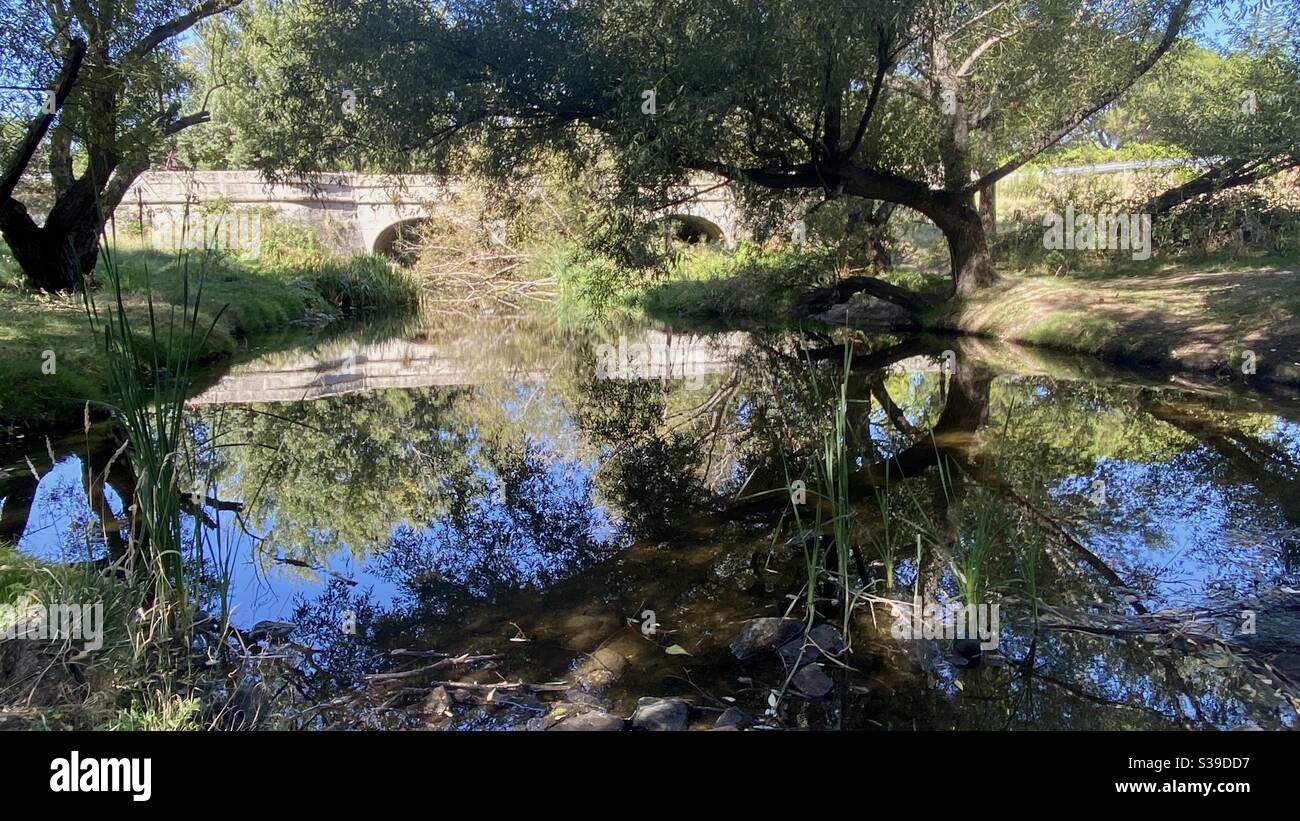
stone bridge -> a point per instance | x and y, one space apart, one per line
353 212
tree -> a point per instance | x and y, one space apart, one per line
1239 113
114 95
921 103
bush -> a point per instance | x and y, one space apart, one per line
363 284
749 283
1235 222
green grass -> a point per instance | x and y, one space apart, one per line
750 284
257 297
1072 330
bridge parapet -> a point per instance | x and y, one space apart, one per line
206 209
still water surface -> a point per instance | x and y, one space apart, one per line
529 493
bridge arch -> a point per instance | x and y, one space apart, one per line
390 242
693 229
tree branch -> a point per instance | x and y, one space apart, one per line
969 62
181 23
1172 29
37 129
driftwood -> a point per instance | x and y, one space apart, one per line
380 678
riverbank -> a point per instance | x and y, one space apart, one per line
1210 319
51 363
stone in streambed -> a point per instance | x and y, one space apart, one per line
868 314
821 639
662 714
812 681
591 721
763 635
733 718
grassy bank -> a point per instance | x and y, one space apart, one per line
51 364
1200 315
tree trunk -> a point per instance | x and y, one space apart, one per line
58 256
19 494
988 201
866 230
49 262
968 249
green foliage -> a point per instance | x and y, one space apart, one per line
757 92
363 284
1232 222
156 713
752 283
287 244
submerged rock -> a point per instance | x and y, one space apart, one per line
660 714
812 681
597 721
821 639
763 635
601 669
733 718
437 704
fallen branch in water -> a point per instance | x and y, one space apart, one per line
379 678
504 686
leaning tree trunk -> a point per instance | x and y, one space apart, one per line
867 228
49 259
968 248
61 254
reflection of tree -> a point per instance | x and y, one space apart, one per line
346 470
339 659
542 529
102 466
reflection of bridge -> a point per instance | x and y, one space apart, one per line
354 212
403 364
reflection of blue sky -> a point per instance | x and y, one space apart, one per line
1175 532
57 528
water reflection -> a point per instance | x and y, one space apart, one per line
489 491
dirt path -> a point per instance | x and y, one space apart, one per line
1204 321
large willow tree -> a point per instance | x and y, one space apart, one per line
921 103
94 87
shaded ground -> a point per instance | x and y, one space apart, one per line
1201 321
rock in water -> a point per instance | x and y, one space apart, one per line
591 721
812 681
733 718
868 314
822 638
660 714
762 635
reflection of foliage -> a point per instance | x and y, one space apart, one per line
1043 430
649 475
346 470
542 529
340 659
